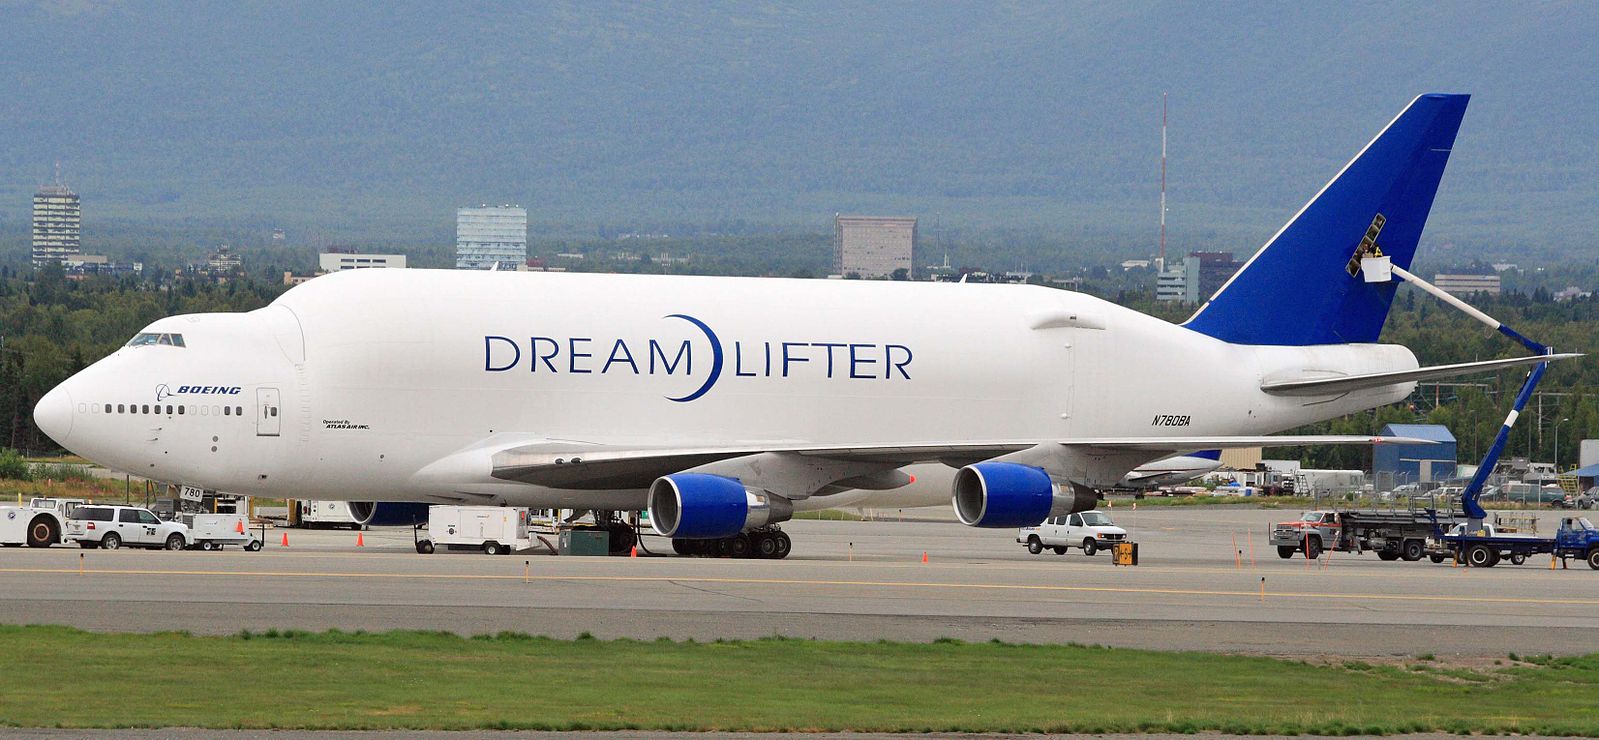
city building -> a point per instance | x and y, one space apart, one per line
873 246
1398 464
1172 283
1467 284
57 224
1205 273
487 237
337 259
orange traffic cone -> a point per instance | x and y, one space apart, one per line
285 539
238 526
634 552
924 556
360 541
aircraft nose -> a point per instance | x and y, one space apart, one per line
53 415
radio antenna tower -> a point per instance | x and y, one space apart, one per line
1160 262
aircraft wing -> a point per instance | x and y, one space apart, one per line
605 467
1334 384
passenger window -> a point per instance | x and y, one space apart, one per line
238 411
128 516
146 408
273 410
205 410
227 410
108 408
1075 520
180 411
121 409
146 517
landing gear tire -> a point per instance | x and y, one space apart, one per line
175 542
740 547
491 548
111 541
1413 550
1090 547
1518 558
681 546
1286 551
423 547
42 532
622 540
786 545
1034 546
1060 550
765 546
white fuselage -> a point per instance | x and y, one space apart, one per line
353 384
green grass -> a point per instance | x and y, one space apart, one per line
1259 502
828 515
442 681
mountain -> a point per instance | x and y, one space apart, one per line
1026 119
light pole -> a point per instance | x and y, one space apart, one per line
1557 444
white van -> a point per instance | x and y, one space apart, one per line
1090 530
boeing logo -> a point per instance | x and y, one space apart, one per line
574 355
164 391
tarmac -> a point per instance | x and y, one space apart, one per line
1194 589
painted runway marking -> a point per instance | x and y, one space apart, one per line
671 580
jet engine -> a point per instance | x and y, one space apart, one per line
363 511
704 506
1003 494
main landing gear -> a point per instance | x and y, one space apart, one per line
766 542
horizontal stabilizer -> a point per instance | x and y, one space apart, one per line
1330 385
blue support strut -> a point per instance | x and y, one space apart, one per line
1468 498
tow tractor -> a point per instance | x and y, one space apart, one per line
1476 544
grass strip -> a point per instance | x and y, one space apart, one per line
63 677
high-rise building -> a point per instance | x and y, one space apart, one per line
487 236
1206 273
873 246
57 224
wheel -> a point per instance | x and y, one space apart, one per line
1387 556
1313 548
724 548
1089 546
680 546
42 532
1413 551
175 541
784 545
1436 558
765 546
1286 551
424 547
1518 558
1034 546
1060 550
741 547
491 548
1480 556
1593 558
253 546
111 541
622 540
207 546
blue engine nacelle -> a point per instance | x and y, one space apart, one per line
703 506
1003 494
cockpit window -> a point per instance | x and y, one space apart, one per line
143 339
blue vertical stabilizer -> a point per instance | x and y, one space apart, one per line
1304 287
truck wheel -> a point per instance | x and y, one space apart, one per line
110 541
175 541
42 532
1593 558
1034 546
1313 549
1413 551
1518 558
491 548
1090 547
1480 556
1386 556
424 547
254 546
1286 551
1060 550
1436 558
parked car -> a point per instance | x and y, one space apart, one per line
111 527
1091 531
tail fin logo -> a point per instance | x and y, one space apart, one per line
1368 245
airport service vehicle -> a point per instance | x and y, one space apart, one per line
1483 547
715 403
111 527
39 524
1091 531
216 531
1392 534
331 514
494 530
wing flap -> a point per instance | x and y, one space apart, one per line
1325 386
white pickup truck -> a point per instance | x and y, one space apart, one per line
1090 530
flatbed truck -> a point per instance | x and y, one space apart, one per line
1393 535
1483 547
